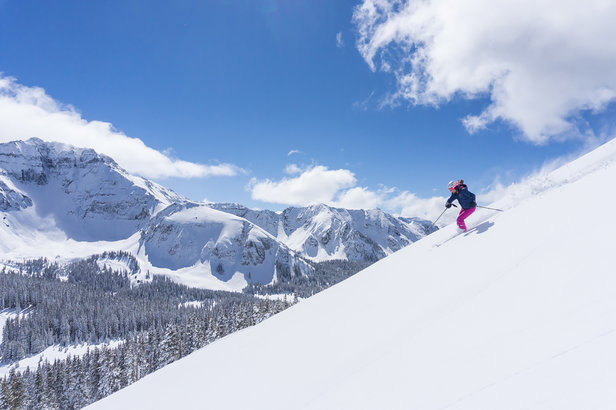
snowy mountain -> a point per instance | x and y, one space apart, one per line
320 232
67 202
187 235
89 196
63 202
518 313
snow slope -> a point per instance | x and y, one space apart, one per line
519 313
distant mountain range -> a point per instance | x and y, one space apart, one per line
321 232
63 202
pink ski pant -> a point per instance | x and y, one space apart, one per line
464 213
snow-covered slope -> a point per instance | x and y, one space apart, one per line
321 232
519 313
59 201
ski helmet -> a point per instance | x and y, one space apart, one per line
451 186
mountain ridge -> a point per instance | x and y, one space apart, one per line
72 202
322 232
64 202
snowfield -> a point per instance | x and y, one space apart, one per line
518 313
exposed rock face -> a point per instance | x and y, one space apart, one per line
12 199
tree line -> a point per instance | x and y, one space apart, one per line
92 304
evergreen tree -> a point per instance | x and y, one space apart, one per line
106 376
15 393
41 390
4 393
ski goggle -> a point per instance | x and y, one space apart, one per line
452 185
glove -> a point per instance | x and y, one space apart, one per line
448 205
473 204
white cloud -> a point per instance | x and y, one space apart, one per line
408 204
27 112
315 185
541 63
294 151
339 40
358 198
292 169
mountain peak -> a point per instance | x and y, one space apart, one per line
87 194
35 154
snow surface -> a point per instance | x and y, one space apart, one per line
518 313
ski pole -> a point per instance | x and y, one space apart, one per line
494 209
439 217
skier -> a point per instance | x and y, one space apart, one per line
465 198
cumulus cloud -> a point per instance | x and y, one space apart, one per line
27 112
541 63
314 185
408 204
358 198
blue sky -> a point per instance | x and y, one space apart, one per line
258 85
